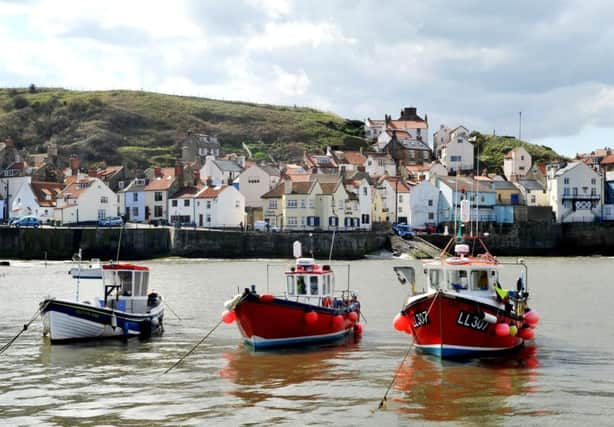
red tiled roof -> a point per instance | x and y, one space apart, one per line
354 157
608 160
109 170
76 188
160 184
210 192
275 193
186 193
407 124
46 192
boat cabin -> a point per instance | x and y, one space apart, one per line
469 277
310 282
125 287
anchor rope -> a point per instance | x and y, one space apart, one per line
25 327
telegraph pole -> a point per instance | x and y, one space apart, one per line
520 125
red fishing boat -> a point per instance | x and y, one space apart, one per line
463 310
307 312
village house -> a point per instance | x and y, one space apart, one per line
574 192
222 206
197 146
37 199
394 195
516 163
221 172
402 147
132 200
362 191
423 205
425 171
457 155
320 164
348 161
453 189
160 184
182 206
532 192
445 135
380 164
256 180
85 199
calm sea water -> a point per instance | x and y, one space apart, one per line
565 378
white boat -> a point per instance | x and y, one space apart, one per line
124 310
91 270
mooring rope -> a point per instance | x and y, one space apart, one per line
25 327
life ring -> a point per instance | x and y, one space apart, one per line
457 261
326 302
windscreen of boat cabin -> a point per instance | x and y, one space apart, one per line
313 285
479 280
326 290
458 280
435 278
141 281
290 285
301 287
125 281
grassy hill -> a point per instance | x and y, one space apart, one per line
142 128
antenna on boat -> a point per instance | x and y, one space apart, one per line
119 244
77 257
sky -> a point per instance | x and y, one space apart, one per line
461 62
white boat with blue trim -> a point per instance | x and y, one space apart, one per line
126 309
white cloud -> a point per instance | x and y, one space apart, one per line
291 84
296 33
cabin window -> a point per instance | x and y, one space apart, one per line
313 285
137 283
326 290
458 280
435 278
290 285
479 280
301 289
125 281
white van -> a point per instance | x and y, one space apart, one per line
264 226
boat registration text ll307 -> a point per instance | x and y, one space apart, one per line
421 318
471 320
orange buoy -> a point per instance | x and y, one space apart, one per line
338 322
358 329
526 333
502 329
400 322
353 316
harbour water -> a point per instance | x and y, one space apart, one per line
565 378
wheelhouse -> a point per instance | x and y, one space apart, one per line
125 282
470 277
309 281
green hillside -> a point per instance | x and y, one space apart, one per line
492 150
142 128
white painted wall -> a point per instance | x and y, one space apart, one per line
423 204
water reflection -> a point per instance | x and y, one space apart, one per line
268 370
439 390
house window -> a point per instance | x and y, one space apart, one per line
430 202
365 218
237 204
158 196
521 157
593 191
340 203
565 191
291 204
104 199
135 211
302 203
431 216
186 202
593 181
158 211
533 199
208 219
574 191
365 191
273 204
174 203
333 221
291 220
425 155
565 180
303 220
208 204
102 213
400 198
311 203
135 197
520 168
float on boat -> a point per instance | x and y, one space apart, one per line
126 309
464 311
307 312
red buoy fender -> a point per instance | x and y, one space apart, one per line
266 298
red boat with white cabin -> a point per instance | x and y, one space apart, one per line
306 312
463 310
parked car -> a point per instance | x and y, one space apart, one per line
26 221
264 226
111 221
403 230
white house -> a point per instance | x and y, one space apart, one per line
425 171
423 204
36 198
457 155
516 163
217 172
220 206
363 192
445 135
575 193
255 181
380 164
85 199
182 205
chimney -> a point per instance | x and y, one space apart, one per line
287 186
157 172
179 172
74 163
